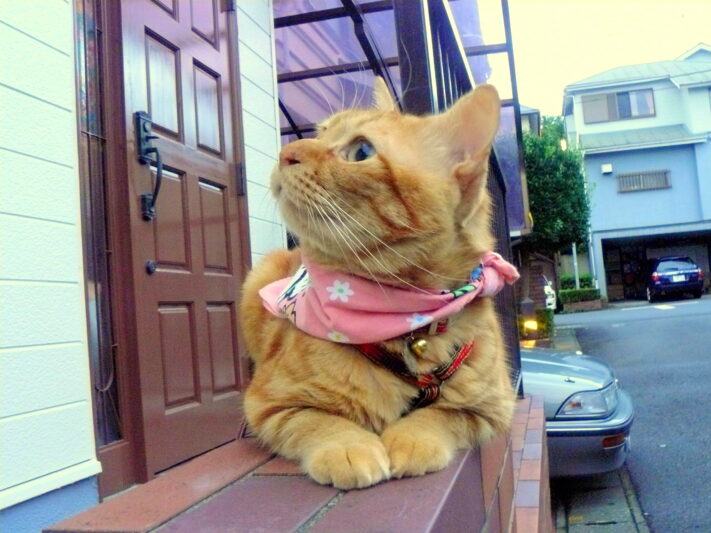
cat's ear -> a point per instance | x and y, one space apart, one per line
470 125
382 100
468 128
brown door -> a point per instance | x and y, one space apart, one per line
180 66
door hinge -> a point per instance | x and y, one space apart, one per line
229 5
240 179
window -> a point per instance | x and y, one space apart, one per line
674 264
643 181
618 106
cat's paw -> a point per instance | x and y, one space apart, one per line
415 454
352 465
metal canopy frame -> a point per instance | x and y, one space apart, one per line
406 10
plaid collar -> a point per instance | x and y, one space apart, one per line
428 383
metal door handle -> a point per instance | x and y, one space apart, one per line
144 150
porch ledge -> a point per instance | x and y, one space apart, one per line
241 487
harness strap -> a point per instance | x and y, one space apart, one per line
429 383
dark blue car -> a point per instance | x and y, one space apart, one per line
674 276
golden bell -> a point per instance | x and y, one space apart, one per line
418 346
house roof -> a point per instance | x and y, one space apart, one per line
525 110
639 138
680 72
695 52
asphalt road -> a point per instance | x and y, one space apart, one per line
662 355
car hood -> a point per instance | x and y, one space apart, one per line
556 375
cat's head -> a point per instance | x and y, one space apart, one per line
391 196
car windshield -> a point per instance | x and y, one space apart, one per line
675 264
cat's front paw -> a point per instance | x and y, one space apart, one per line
352 465
415 454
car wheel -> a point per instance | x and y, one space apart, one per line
650 296
697 294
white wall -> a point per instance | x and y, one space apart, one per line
261 124
46 428
697 102
566 264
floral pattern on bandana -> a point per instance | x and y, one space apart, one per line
417 320
340 290
335 336
345 308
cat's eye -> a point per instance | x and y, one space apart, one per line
359 150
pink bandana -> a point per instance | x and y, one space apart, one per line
349 309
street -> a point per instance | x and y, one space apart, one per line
661 354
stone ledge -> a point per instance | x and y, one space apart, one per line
242 486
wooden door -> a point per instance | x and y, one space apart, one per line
179 62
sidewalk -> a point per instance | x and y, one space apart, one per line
599 504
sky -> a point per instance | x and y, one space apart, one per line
558 42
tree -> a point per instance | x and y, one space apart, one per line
556 191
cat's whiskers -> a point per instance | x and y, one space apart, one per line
328 222
332 226
410 70
323 95
364 248
320 215
355 253
326 197
311 218
343 90
361 71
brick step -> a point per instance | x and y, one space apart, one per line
241 487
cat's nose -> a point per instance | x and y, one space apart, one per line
288 158
297 152
290 155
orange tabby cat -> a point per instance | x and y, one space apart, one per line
402 200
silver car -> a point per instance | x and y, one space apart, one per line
588 415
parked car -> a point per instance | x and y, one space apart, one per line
588 415
674 276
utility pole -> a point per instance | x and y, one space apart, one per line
575 266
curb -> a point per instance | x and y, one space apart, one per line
633 502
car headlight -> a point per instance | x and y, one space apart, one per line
590 404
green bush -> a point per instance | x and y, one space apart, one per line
544 317
570 296
586 281
568 282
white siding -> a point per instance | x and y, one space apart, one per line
261 122
46 427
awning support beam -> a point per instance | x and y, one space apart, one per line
294 128
328 14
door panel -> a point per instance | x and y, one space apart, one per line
177 67
208 108
204 19
222 347
215 227
163 83
171 230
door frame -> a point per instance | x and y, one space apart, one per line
124 461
